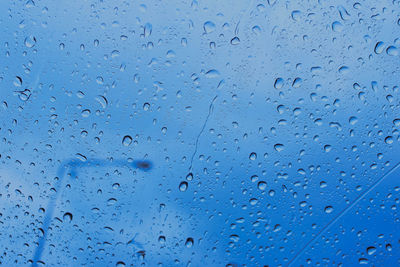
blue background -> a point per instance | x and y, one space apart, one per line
272 128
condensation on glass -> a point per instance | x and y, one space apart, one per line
199 133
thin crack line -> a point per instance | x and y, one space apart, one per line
343 212
210 109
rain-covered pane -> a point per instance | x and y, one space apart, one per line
199 133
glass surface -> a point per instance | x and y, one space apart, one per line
199 133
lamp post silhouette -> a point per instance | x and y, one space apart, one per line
73 165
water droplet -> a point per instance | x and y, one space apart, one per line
344 70
279 147
344 15
392 51
212 74
24 95
161 239
256 30
30 41
353 120
278 83
371 250
18 81
189 177
99 80
183 186
85 113
262 185
253 156
189 242
235 41
127 140
146 106
327 148
209 27
379 47
67 217
253 201
297 82
148 28
111 201
296 14
102 101
328 209
389 140
337 26
81 157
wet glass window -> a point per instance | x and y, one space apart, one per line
199 133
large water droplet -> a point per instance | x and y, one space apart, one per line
67 217
189 242
183 186
279 147
253 156
209 27
235 41
278 83
379 47
371 250
127 140
328 209
30 41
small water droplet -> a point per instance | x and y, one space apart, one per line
85 113
189 177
